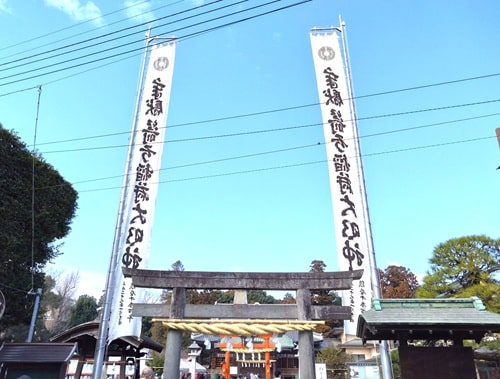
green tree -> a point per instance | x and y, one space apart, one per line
159 334
317 266
325 297
397 282
396 368
166 295
260 296
85 310
465 267
23 254
335 359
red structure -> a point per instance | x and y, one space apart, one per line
258 345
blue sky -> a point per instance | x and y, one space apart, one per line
429 154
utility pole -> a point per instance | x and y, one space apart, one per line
37 294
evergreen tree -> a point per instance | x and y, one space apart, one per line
335 359
33 197
465 267
85 310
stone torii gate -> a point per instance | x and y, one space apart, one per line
303 312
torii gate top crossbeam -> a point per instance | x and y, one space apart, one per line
340 280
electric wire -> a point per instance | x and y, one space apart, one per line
140 49
82 23
69 76
382 93
291 148
72 26
13 288
106 35
429 85
203 32
185 165
279 129
368 117
295 165
315 145
259 113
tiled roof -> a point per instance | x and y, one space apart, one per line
87 333
393 319
37 352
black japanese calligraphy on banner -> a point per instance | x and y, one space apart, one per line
351 249
131 258
344 168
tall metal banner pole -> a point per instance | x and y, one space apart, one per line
132 242
352 223
102 338
385 359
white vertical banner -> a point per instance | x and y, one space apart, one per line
345 171
142 187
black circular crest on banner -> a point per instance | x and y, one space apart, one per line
2 304
326 53
161 63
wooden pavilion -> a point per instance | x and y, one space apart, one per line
35 360
450 321
122 352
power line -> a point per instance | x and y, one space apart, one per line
141 48
212 161
429 85
184 37
292 148
259 113
63 29
90 54
82 23
297 164
13 288
288 128
322 143
103 42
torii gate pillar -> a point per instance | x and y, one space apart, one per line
173 346
306 341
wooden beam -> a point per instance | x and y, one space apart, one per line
340 280
244 311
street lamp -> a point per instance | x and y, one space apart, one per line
194 351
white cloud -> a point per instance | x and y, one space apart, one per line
78 11
4 8
138 10
91 283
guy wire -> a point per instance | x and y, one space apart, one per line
33 194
